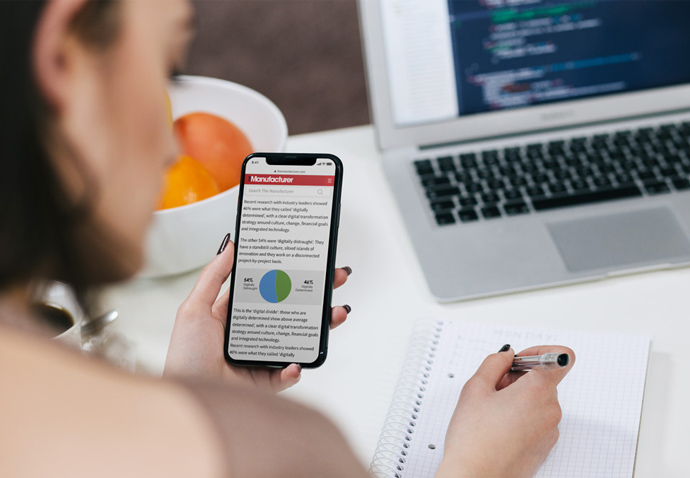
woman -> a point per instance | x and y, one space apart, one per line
84 141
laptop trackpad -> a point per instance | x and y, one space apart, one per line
624 239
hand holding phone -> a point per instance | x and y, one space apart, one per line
286 236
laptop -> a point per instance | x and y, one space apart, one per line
531 143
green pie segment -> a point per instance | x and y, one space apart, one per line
275 286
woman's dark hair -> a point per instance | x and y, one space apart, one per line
38 220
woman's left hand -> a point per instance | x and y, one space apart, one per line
196 345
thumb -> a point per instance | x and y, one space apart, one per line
212 277
494 368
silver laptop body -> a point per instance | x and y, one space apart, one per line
469 97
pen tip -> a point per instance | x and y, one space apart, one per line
563 360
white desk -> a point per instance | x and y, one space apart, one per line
387 293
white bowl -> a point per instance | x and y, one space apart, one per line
187 237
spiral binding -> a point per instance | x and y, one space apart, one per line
397 436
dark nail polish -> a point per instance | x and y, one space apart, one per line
347 308
347 269
505 348
223 244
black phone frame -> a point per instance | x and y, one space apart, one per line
294 159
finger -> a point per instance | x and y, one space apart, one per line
340 276
286 378
211 279
493 369
553 376
509 379
339 315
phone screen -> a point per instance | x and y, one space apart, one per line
277 302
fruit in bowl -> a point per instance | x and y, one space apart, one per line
186 182
216 143
185 235
213 151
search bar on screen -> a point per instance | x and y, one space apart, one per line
307 191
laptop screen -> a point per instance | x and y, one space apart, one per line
452 58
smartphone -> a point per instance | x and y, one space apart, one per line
285 243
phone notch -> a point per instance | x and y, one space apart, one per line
290 160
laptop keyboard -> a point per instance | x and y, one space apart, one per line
537 177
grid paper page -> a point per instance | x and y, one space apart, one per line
601 398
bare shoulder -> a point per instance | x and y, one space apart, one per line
61 412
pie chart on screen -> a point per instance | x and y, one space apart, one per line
275 286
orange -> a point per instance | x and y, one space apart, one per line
187 181
216 143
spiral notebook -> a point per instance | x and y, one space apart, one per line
601 398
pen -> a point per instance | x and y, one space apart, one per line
547 361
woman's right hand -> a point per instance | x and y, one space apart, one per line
505 423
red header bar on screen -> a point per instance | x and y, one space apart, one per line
287 180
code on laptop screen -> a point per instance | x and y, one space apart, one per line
450 58
521 52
